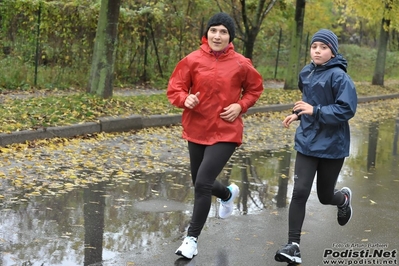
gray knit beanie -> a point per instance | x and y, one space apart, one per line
222 19
328 38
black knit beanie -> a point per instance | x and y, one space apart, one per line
222 19
328 38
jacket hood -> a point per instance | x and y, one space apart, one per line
205 46
337 61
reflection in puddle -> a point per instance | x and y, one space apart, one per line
103 220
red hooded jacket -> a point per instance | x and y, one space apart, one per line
221 81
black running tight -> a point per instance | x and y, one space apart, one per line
305 169
207 161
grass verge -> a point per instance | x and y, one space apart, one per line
30 112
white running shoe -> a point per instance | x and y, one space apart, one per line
226 207
188 248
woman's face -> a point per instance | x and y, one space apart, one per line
320 53
218 38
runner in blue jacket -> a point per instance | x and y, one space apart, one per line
322 138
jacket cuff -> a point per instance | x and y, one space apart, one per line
243 109
316 111
297 114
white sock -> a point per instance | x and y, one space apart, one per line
295 243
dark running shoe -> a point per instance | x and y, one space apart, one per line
289 253
345 211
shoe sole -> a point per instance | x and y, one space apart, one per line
286 258
179 253
350 204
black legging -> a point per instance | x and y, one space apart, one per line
206 164
305 169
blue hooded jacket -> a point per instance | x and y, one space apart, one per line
332 93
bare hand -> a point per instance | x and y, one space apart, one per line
192 100
303 108
289 119
231 112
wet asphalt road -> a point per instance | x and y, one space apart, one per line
253 239
370 238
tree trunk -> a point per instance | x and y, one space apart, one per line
249 44
379 70
102 68
291 75
249 24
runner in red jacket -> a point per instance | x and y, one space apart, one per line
214 85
